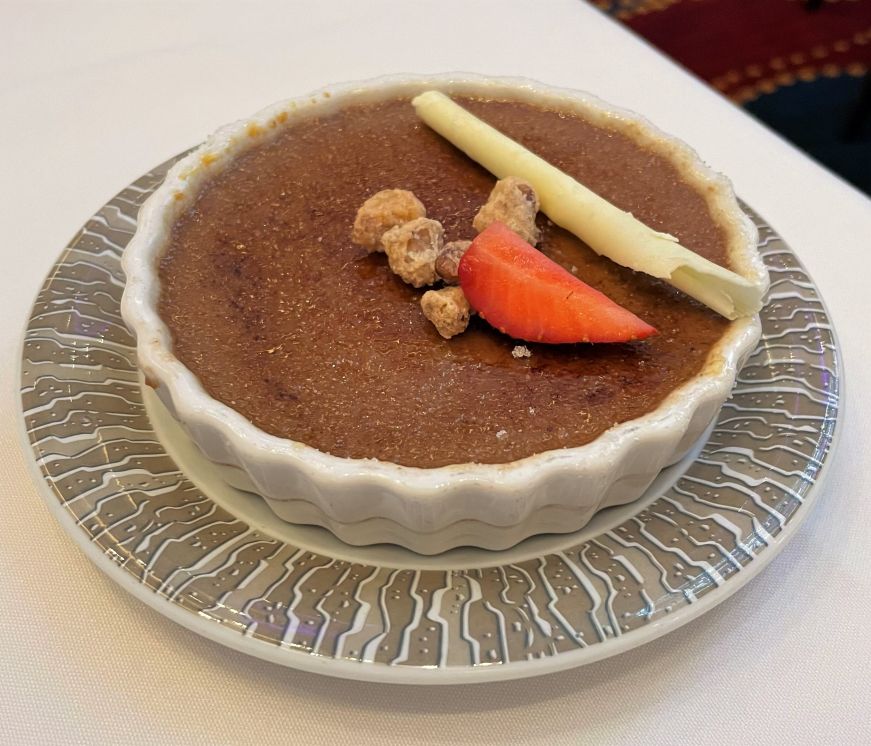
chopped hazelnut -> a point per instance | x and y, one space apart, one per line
381 212
515 203
448 310
412 249
448 261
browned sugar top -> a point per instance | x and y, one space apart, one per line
280 316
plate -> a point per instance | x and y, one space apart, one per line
132 494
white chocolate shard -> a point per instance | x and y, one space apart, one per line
605 228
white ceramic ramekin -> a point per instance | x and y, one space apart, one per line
365 501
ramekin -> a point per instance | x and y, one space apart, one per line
367 501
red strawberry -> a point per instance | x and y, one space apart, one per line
522 293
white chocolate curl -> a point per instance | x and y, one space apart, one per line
606 229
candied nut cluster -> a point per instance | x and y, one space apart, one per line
448 310
394 221
514 203
412 249
381 212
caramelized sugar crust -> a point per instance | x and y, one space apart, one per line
283 318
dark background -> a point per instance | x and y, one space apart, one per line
800 66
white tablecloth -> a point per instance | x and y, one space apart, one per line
96 93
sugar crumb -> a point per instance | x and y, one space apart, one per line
521 351
502 434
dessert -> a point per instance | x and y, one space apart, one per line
279 314
264 307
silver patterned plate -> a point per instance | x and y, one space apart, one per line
147 515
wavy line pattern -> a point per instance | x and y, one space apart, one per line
95 446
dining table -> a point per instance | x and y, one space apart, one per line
94 94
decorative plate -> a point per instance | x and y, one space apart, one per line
135 497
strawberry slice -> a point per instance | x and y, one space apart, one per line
522 293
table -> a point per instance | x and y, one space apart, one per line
95 93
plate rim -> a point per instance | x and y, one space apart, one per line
380 672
